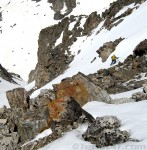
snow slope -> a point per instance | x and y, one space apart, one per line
5 86
133 119
20 27
133 28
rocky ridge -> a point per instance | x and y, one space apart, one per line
54 58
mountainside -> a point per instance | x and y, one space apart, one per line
75 97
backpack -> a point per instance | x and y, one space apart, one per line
113 57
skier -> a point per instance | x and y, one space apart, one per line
113 58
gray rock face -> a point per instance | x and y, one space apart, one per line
28 120
91 23
52 59
104 132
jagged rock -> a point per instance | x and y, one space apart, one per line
27 122
139 96
104 132
108 48
6 75
82 89
64 113
91 22
52 59
115 7
18 99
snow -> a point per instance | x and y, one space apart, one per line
90 6
59 40
133 119
41 135
125 9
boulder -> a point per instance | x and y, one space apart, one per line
26 118
104 132
82 89
65 113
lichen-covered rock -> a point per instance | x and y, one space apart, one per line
26 117
64 113
104 132
9 141
82 89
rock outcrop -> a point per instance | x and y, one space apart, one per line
28 122
53 55
124 76
108 48
65 114
115 7
104 132
6 75
91 23
58 6
82 89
